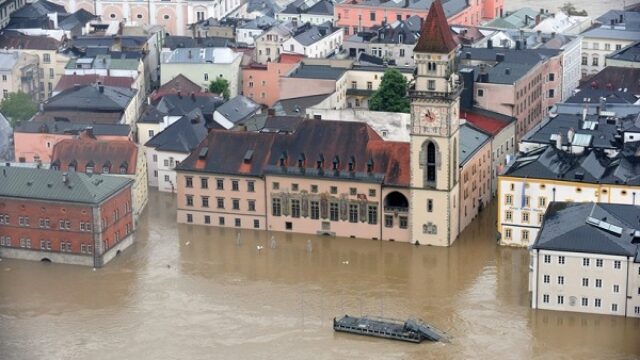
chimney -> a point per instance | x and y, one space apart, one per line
89 131
558 141
271 112
541 11
584 113
193 96
101 89
370 166
499 57
65 178
190 54
507 71
518 44
489 44
538 19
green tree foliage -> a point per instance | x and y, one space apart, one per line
391 96
18 107
570 9
220 86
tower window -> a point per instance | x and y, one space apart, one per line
428 163
431 84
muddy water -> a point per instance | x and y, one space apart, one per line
198 293
593 8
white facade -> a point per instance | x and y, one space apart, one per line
247 36
161 167
313 19
523 202
571 67
583 282
595 50
319 49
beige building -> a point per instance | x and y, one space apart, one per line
475 173
268 45
51 62
19 72
601 275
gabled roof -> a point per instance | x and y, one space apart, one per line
297 106
227 153
488 121
180 83
630 53
320 72
45 184
37 9
16 40
85 151
65 127
595 228
182 136
471 140
92 98
181 104
69 81
616 78
435 36
237 109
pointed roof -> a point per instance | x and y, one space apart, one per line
435 36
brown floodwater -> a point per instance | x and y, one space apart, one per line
189 292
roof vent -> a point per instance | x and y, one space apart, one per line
507 71
579 175
203 153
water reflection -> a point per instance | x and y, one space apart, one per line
186 291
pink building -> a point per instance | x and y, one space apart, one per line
327 177
34 141
365 14
261 83
475 173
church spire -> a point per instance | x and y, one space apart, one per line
435 36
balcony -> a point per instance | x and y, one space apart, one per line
396 209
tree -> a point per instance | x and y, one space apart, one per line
391 96
220 86
570 9
18 107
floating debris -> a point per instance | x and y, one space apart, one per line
238 239
411 330
309 246
273 242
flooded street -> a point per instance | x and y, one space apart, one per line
200 293
594 8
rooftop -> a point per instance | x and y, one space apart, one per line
593 166
313 7
310 34
435 36
180 83
320 72
606 32
182 136
297 106
629 53
16 40
69 81
65 127
615 78
118 156
50 185
200 56
488 121
471 140
237 109
450 7
594 228
91 98
254 154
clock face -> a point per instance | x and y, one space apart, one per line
429 116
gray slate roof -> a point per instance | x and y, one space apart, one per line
238 108
451 7
565 228
605 32
593 166
628 53
297 106
311 34
45 184
182 136
90 98
64 127
471 140
321 7
321 72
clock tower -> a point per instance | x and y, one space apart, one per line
434 140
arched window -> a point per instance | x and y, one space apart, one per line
431 66
428 163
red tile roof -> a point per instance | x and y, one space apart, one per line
113 153
487 121
291 58
68 81
16 40
226 151
435 35
180 84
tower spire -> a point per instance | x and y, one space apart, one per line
435 36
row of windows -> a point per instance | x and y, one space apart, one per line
25 243
596 46
221 221
617 264
524 216
220 203
314 189
353 211
585 283
44 223
204 184
584 302
524 234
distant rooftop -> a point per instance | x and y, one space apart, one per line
471 140
629 53
200 56
321 72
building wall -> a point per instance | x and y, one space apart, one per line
249 219
33 147
262 85
299 87
50 66
318 50
346 194
7 8
595 50
551 89
203 74
268 46
161 173
475 185
579 282
622 63
140 188
247 36
540 192
24 76
365 80
571 67
174 16
45 236
503 149
314 19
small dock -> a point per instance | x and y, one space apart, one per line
412 330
